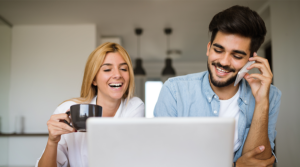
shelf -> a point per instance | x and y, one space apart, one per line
23 134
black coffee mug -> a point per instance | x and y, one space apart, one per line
79 113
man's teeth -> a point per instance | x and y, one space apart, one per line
115 85
221 70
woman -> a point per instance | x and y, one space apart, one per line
109 82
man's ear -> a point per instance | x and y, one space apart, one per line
208 48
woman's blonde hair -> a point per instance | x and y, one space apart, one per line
93 64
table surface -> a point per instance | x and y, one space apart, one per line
22 134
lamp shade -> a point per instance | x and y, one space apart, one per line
168 70
138 70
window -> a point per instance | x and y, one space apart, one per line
152 90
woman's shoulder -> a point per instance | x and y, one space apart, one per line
134 108
134 101
63 107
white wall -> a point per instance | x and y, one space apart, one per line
47 66
285 25
5 55
5 50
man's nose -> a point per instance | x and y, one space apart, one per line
225 60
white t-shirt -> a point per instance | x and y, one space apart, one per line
72 147
230 108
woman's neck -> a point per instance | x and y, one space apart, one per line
109 107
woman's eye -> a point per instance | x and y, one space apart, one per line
124 69
107 70
218 51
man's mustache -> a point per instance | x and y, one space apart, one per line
227 68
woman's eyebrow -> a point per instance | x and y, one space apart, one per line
123 64
108 64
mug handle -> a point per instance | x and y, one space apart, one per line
68 113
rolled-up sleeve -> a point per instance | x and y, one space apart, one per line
273 115
62 154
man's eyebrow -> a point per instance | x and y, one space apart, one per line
108 64
240 52
219 46
235 51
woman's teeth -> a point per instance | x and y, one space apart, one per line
115 85
220 70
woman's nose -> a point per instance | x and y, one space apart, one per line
117 74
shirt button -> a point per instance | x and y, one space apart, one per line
215 111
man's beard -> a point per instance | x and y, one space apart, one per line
218 83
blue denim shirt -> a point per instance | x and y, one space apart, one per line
192 96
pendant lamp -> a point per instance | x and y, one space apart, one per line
139 72
168 70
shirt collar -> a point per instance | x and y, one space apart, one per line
209 93
94 100
243 91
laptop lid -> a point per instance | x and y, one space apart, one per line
160 142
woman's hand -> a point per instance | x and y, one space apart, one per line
56 127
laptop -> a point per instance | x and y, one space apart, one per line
160 142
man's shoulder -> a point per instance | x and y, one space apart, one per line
275 94
189 77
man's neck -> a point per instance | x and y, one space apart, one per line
226 92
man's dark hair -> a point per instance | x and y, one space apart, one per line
240 20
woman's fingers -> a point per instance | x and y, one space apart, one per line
61 125
60 117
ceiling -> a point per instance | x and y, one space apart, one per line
189 20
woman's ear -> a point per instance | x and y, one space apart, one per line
94 83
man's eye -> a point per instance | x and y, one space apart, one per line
237 57
218 51
107 70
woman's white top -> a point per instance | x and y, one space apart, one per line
72 147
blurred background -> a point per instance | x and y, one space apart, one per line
44 45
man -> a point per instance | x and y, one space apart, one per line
237 34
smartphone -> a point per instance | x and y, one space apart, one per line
242 72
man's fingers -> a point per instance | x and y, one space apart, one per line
270 161
260 59
256 151
262 78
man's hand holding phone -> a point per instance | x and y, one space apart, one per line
260 83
